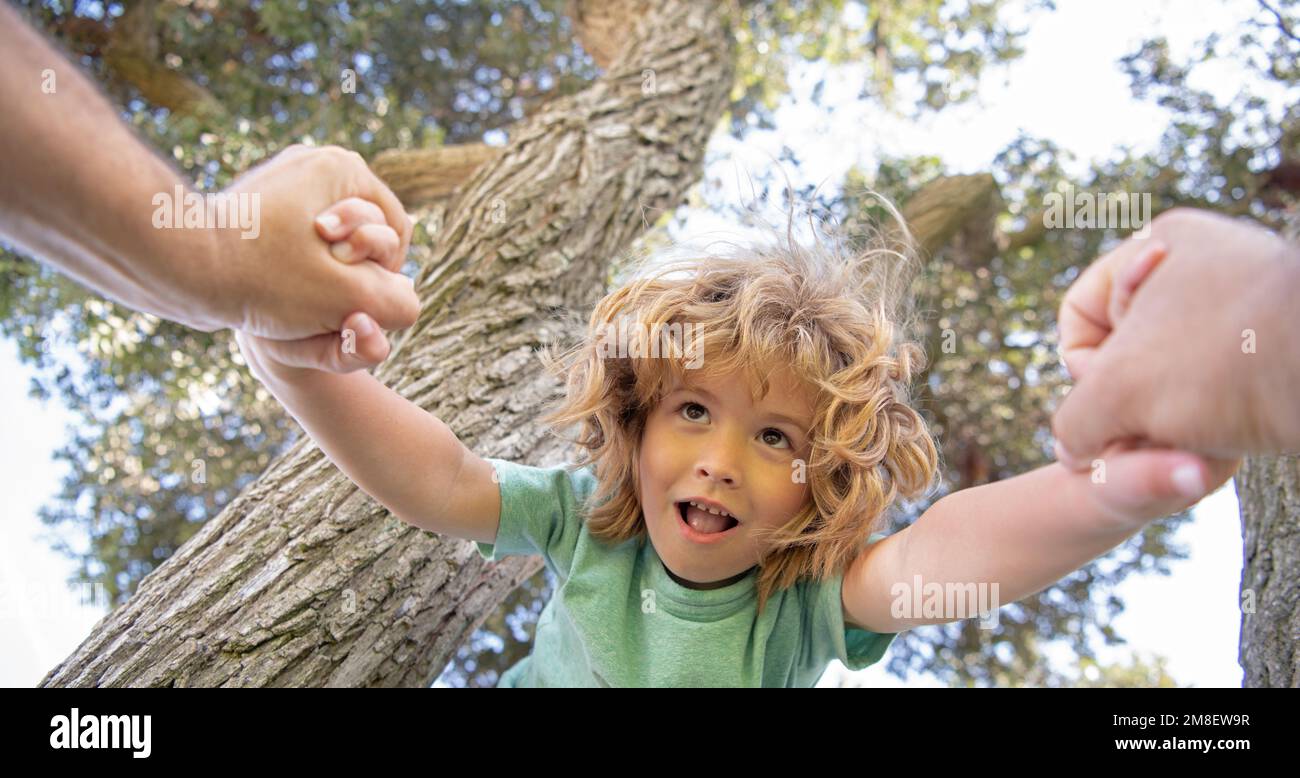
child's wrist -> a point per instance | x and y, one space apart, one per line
1087 488
274 374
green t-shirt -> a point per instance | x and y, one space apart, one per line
618 619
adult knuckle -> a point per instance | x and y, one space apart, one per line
334 157
348 158
1175 218
322 163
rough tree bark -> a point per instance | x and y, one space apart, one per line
1268 494
303 580
1268 489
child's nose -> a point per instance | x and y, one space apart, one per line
716 474
715 469
720 458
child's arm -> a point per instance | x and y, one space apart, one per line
1023 533
400 454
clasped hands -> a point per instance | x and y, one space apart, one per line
324 272
1183 353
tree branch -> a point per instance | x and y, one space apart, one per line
129 49
1281 20
422 177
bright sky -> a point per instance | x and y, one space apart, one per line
1066 88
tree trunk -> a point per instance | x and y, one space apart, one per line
1268 495
1268 489
303 580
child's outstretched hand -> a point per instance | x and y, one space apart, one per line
357 232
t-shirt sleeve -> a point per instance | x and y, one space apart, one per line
856 648
541 512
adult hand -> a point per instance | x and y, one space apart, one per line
105 214
331 242
1206 356
358 231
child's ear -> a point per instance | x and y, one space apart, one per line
1128 278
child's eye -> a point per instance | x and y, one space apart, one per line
688 404
778 432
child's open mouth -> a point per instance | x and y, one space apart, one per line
702 526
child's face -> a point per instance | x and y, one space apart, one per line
711 442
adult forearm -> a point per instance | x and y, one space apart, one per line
78 190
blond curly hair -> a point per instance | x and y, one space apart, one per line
837 317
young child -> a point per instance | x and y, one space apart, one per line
723 525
